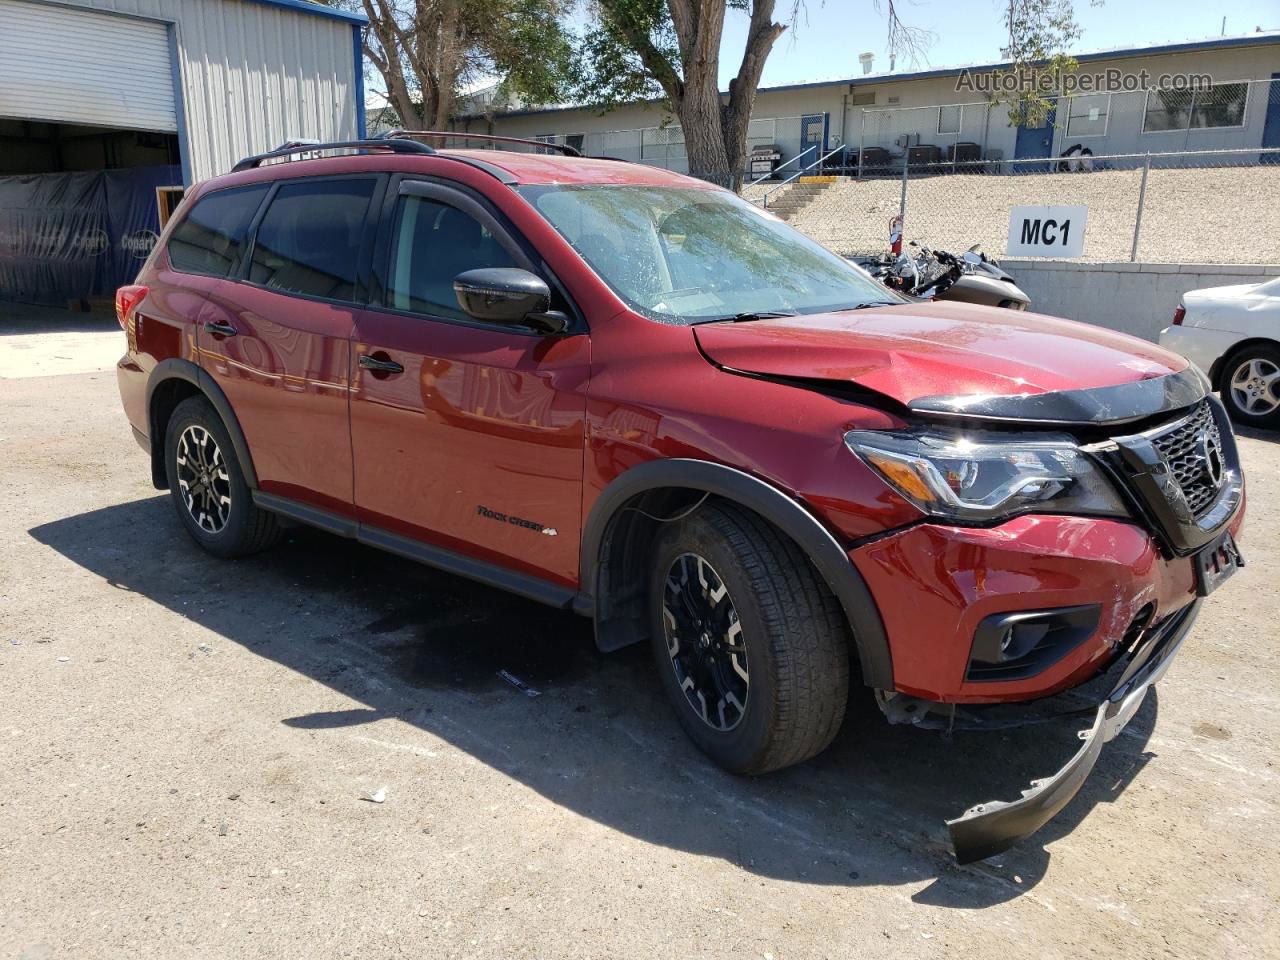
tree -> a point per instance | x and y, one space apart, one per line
670 50
1040 34
425 50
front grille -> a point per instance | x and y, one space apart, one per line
1193 452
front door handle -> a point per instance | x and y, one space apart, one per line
376 363
222 329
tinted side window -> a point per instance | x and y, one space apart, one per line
211 236
433 244
309 239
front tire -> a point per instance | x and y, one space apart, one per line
749 642
207 486
1251 386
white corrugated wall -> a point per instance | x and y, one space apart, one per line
253 76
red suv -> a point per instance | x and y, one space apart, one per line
632 394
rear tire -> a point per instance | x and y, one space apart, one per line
207 486
749 642
1251 386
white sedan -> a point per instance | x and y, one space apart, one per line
1233 335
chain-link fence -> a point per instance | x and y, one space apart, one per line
1205 206
1226 115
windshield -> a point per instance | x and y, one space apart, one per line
686 255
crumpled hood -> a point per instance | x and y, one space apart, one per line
915 351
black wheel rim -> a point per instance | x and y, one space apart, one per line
705 642
203 481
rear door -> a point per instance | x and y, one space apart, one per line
475 444
277 335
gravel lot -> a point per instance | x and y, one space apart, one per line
184 744
1204 215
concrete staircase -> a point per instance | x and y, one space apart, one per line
788 202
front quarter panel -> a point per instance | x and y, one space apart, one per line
653 395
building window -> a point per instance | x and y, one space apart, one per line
863 99
1221 105
1087 116
949 119
574 140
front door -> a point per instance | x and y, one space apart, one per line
475 443
813 138
1035 141
276 336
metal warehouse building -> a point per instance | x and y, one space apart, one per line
108 108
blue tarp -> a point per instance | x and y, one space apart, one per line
65 236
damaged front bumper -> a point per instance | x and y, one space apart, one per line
993 827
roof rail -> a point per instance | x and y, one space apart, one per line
564 148
301 146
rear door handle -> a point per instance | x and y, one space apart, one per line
222 329
385 366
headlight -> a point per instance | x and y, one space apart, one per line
987 476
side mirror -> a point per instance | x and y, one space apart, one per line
508 295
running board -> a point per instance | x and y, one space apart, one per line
450 561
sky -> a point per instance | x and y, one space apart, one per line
829 36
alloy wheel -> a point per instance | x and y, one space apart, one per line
203 480
1253 387
705 643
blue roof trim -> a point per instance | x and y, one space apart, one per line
1248 40
315 9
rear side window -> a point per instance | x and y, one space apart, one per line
434 243
309 239
211 237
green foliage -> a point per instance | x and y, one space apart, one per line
613 70
427 50
533 53
1040 34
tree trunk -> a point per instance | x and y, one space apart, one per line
715 131
761 36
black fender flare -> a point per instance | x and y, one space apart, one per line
175 368
825 552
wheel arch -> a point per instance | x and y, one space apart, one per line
1218 372
172 381
627 514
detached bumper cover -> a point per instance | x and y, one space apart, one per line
993 827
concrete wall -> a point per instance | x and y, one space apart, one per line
1136 298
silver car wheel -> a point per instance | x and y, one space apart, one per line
203 480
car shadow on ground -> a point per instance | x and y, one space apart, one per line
22 319
426 648
1256 433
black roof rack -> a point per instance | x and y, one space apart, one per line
401 135
302 146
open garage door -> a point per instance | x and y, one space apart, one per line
74 65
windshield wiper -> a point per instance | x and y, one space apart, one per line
875 303
751 315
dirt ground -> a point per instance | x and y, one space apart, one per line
185 744
1195 215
